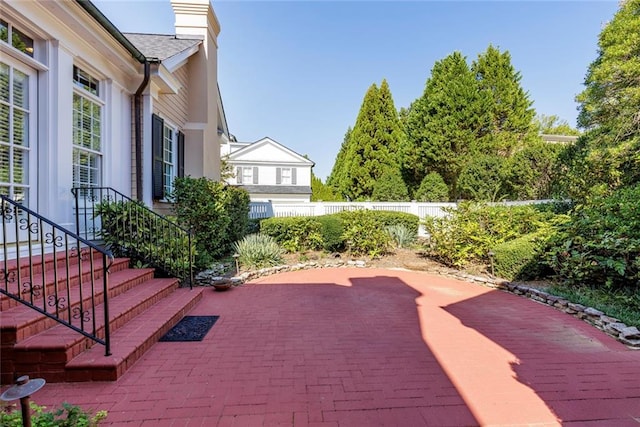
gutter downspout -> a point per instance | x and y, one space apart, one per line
137 102
96 14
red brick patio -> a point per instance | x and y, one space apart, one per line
371 347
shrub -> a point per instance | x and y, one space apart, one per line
66 415
516 258
432 189
295 234
331 229
390 188
469 231
390 218
217 214
600 245
258 251
364 233
130 230
401 235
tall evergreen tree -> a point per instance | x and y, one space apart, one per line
511 116
608 155
337 172
372 146
446 124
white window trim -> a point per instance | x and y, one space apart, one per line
100 101
174 151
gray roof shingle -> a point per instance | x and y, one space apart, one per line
161 46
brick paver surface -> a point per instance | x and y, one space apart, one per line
367 347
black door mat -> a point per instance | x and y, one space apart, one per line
190 328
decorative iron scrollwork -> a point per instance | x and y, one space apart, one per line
31 226
59 302
79 314
7 212
9 277
56 240
30 288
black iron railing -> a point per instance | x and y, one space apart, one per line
132 230
55 272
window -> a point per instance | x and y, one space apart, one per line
17 90
169 147
87 134
286 176
19 40
247 175
168 157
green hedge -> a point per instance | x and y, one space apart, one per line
469 231
516 259
294 233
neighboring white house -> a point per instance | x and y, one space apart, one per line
269 171
82 104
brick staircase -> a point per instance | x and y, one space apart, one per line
141 308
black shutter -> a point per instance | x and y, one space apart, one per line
293 176
157 129
239 175
255 175
180 154
278 176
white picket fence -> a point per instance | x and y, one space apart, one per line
420 209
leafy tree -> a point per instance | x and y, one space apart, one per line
432 189
509 105
481 179
608 155
372 146
535 172
390 188
337 172
446 124
320 191
553 125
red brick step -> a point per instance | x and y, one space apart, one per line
131 341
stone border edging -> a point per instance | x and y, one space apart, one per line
627 335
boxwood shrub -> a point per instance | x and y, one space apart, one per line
294 233
517 258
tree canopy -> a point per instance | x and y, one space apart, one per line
607 156
371 148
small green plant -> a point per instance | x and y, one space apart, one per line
258 251
65 416
401 235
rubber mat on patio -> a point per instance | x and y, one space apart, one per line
190 328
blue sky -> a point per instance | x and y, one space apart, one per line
297 71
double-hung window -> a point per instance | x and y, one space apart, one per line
18 91
168 157
87 130
286 176
247 175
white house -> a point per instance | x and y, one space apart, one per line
269 171
82 104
